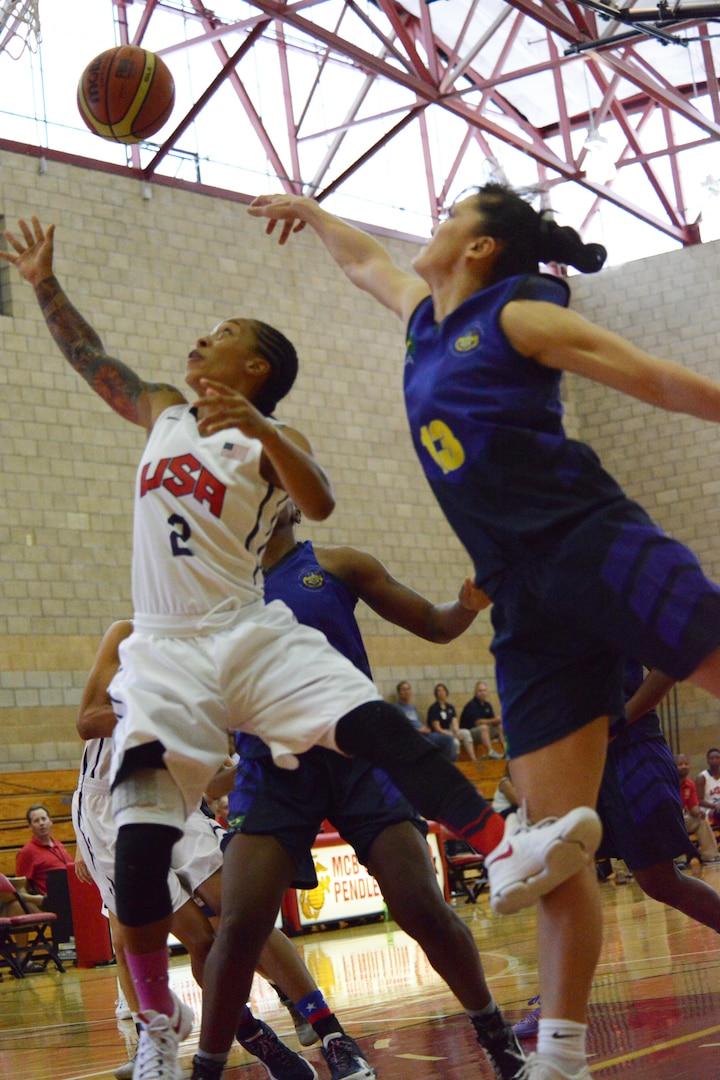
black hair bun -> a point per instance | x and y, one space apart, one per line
560 243
590 259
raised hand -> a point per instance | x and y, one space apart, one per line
34 258
219 407
285 208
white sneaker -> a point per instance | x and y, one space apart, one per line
541 1067
532 860
496 755
122 1012
160 1036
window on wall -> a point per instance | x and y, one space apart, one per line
5 304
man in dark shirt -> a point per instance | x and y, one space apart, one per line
480 719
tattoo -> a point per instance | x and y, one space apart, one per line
115 382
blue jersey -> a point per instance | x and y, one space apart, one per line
318 599
486 423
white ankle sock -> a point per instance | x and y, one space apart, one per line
487 1011
563 1040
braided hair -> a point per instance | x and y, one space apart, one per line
283 360
531 237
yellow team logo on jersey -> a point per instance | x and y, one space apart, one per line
467 342
442 445
313 581
312 900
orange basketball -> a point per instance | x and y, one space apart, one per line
126 94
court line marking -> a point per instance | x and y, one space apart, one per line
419 1057
647 1050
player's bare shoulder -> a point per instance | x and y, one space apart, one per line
351 565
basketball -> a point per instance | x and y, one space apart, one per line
126 94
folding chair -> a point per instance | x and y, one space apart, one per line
26 939
467 875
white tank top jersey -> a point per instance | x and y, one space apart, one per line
203 514
712 787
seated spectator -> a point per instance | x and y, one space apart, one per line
443 740
442 717
708 786
41 853
478 717
505 800
695 817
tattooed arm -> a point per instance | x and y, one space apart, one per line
124 391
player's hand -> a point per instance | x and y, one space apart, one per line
219 407
285 208
83 874
33 256
471 597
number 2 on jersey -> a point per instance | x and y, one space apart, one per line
180 535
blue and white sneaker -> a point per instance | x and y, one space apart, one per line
345 1058
281 1062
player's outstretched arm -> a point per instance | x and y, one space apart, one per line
562 339
372 582
131 397
359 256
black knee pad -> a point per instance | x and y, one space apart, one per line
142 864
381 734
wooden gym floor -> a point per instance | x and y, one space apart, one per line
655 1006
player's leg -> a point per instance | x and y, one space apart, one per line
256 873
280 964
694 897
554 781
127 987
149 811
400 861
381 735
193 929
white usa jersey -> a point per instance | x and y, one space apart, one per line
203 514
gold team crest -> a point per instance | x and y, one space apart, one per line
313 580
312 900
467 342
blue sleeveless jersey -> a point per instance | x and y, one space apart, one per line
318 599
486 424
